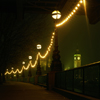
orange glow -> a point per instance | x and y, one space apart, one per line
51 42
70 15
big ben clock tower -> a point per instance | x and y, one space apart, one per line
77 59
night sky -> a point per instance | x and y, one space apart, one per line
37 28
78 33
19 38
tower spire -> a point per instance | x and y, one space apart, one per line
77 58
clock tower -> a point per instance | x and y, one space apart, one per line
77 59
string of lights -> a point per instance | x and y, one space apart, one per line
30 63
71 14
50 45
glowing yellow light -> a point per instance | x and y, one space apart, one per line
51 44
78 58
30 57
81 1
53 33
48 49
68 16
14 75
61 23
51 39
78 5
56 14
52 36
23 62
39 46
74 58
76 8
35 61
72 13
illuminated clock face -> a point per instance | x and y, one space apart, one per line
74 58
78 58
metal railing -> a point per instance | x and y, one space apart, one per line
84 80
42 79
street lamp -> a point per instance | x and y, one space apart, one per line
56 64
12 73
39 46
7 74
23 74
30 58
23 62
56 14
29 73
17 76
38 72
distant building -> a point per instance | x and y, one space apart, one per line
45 65
77 59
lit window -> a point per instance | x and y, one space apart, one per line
74 58
78 58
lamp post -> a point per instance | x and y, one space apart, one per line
12 73
17 76
30 74
56 64
23 74
7 74
38 72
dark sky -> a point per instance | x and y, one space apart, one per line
38 29
19 38
78 31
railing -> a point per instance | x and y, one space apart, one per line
21 79
84 80
41 80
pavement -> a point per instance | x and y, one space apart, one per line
27 91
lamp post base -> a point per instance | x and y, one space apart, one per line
56 64
38 72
